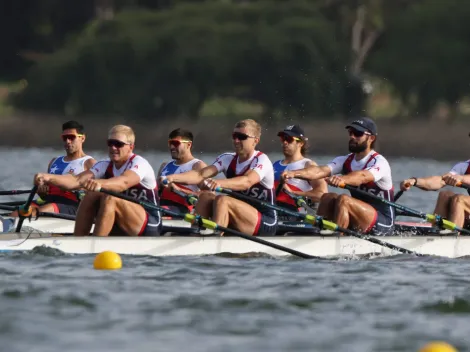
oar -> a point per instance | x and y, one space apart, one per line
25 210
14 192
15 202
318 220
191 199
208 224
432 218
398 195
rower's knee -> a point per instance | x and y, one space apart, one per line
108 202
446 194
206 196
221 200
343 200
328 197
457 199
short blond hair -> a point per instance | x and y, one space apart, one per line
125 130
254 126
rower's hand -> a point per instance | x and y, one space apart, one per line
287 175
41 179
452 180
335 181
405 185
165 181
211 184
92 185
43 190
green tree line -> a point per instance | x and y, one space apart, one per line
161 59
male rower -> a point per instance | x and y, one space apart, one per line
449 205
124 172
294 148
365 169
180 143
57 200
247 171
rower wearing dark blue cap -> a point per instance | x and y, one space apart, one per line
363 168
294 147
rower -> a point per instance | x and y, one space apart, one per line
180 143
124 172
54 199
294 148
363 168
449 205
247 171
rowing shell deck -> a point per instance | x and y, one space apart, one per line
322 246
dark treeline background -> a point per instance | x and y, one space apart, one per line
165 58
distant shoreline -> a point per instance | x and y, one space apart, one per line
420 139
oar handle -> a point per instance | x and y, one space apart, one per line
463 185
25 210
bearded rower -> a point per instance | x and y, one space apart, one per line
449 205
53 198
294 148
180 143
363 168
124 172
247 171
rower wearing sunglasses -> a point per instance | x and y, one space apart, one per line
180 143
363 168
52 198
294 148
124 172
247 171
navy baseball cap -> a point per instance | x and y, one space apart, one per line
294 131
364 124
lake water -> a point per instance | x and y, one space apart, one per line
55 302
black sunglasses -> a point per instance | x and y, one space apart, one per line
116 143
357 133
240 136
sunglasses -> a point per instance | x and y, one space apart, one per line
357 133
116 143
72 137
241 136
176 142
288 139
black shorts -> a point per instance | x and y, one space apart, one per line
181 209
266 226
382 226
152 225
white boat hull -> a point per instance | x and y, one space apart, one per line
322 246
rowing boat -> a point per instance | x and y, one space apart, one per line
178 241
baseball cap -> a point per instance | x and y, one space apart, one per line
294 131
364 124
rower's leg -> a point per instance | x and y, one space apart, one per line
239 215
443 203
354 213
459 205
86 213
130 217
326 208
204 204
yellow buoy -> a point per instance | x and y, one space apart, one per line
438 346
107 261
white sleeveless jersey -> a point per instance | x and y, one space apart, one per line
61 167
172 168
295 183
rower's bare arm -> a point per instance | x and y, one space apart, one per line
120 183
194 177
68 182
357 178
160 169
240 183
431 183
198 167
310 173
43 189
319 187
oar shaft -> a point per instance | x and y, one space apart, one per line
14 192
26 208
